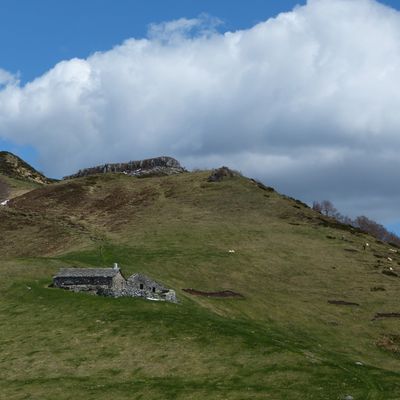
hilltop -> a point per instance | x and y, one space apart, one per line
14 167
18 177
158 166
315 315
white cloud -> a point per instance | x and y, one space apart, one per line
307 101
6 78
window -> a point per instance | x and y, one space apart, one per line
141 286
154 289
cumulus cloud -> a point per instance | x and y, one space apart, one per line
6 78
307 101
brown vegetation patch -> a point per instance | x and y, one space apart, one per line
390 343
262 186
378 255
118 198
4 190
223 293
388 272
71 195
332 223
377 289
386 315
351 250
343 303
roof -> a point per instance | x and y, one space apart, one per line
140 276
144 279
87 272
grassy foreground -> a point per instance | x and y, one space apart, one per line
282 341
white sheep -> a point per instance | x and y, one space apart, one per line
389 259
231 251
365 245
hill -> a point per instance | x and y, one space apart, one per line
18 177
14 167
306 325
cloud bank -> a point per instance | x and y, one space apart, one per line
307 101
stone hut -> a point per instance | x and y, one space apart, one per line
111 282
93 280
139 285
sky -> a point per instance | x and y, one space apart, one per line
302 95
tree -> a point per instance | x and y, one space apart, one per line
328 209
364 223
372 227
316 206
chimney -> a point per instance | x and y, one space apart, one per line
116 266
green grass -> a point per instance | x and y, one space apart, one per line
119 347
282 341
17 187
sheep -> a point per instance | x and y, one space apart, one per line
393 250
4 203
365 245
231 251
389 259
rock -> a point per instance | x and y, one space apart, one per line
220 174
14 167
148 167
348 397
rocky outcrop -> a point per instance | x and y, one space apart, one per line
222 173
14 167
158 166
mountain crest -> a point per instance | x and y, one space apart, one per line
14 167
151 166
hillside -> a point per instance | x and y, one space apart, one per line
18 177
294 334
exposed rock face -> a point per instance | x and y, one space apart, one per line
14 167
221 173
149 167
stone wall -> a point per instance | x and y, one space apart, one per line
136 285
151 166
139 285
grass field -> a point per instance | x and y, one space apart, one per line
283 340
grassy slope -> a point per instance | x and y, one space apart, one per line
18 187
283 341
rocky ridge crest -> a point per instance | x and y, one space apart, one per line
14 167
149 167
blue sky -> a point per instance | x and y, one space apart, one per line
323 149
36 34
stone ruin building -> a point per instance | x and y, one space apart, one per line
110 282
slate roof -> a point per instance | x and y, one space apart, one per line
87 272
144 279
